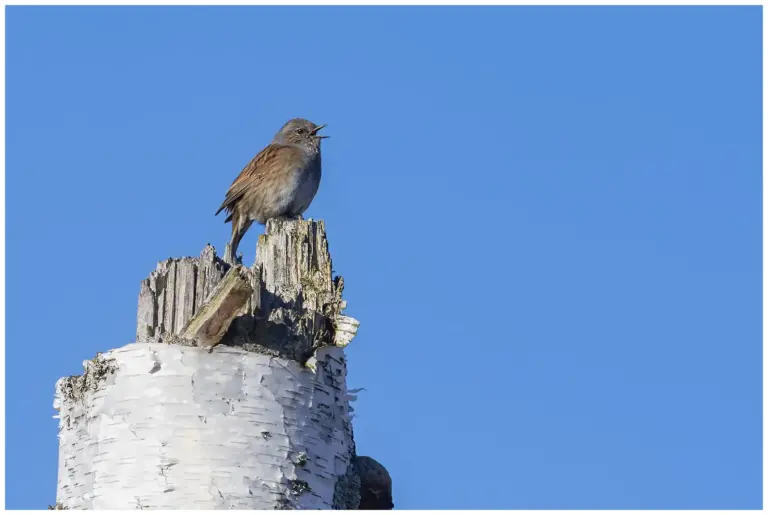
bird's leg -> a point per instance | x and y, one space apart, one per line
243 227
229 251
240 225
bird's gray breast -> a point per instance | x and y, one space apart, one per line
307 184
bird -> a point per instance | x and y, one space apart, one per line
280 182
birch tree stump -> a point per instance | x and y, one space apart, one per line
196 414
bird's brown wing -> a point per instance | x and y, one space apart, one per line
274 157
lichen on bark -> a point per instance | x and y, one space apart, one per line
97 371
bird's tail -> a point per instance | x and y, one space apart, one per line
221 208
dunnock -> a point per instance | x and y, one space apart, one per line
280 181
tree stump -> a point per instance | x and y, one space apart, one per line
232 397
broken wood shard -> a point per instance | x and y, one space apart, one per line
212 321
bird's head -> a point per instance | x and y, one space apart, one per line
300 132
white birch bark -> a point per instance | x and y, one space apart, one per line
172 427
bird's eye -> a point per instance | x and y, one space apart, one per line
301 131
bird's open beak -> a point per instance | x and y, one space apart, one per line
317 129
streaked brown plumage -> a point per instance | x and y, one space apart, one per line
280 181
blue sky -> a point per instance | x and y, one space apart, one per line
548 221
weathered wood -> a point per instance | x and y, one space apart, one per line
147 314
173 293
186 276
299 301
294 309
213 318
294 257
210 270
